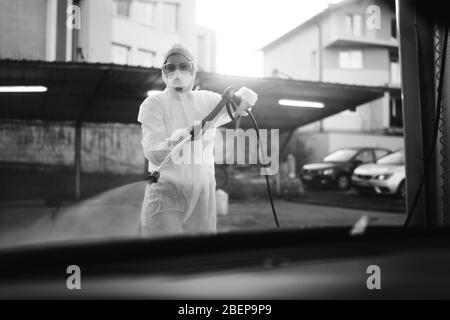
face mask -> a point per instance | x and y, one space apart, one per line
179 79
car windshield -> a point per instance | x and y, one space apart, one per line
397 158
340 155
83 123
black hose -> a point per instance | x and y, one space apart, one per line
269 191
231 107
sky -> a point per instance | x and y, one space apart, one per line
245 26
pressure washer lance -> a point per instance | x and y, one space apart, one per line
231 102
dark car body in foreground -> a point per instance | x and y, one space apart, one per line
336 169
318 263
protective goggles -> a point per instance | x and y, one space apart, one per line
172 67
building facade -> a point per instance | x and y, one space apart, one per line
351 42
129 32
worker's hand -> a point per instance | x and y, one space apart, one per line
178 135
248 100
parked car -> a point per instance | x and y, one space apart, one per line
386 176
336 168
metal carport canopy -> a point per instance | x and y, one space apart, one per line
108 93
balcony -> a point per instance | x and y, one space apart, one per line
343 41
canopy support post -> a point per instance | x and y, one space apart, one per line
78 128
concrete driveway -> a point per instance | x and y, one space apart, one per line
115 214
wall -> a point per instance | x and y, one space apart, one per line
100 29
137 36
293 56
106 148
360 7
114 148
187 25
330 27
375 71
95 33
23 29
37 142
206 48
369 117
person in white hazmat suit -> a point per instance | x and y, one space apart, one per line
183 200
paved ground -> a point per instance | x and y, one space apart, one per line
258 215
351 199
115 214
245 185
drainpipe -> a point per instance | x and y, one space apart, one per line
319 52
75 35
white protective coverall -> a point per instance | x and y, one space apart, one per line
188 189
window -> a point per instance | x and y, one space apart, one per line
380 153
120 54
145 58
365 156
354 25
394 28
351 59
121 8
170 17
348 24
146 12
357 25
396 112
393 158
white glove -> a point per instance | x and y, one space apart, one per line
248 100
178 135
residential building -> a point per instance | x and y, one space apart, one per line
130 32
351 42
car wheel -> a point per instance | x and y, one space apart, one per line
343 182
401 191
